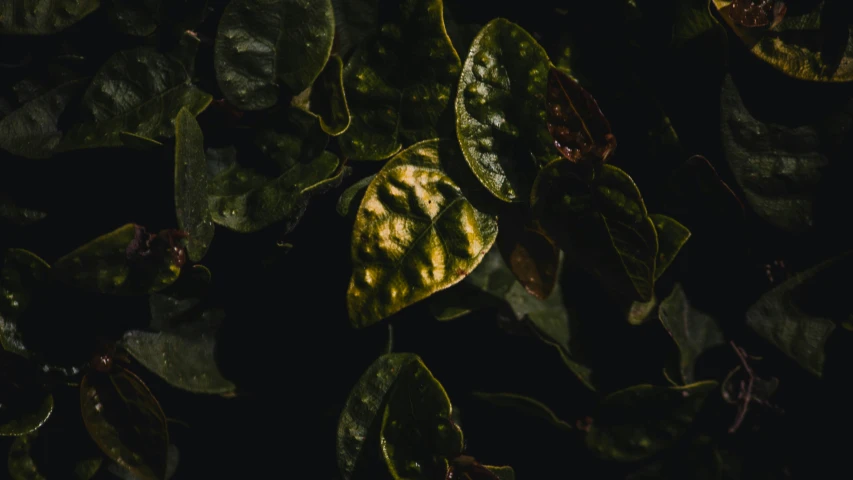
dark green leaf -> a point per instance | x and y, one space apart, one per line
126 421
138 142
20 215
360 414
42 17
172 459
261 44
799 315
354 21
418 436
328 99
25 405
693 18
642 420
31 131
119 263
175 306
138 91
22 465
526 405
671 237
220 160
415 233
500 114
191 185
135 17
400 82
693 330
502 472
352 196
639 312
22 274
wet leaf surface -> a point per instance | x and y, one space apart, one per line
694 331
22 275
399 82
415 233
328 98
500 120
126 421
191 185
42 17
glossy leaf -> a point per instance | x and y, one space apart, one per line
575 122
418 436
124 261
415 233
126 421
361 413
137 91
531 256
799 315
500 119
328 98
694 331
20 216
31 131
22 274
26 406
40 17
23 465
352 196
191 185
671 237
526 405
262 44
640 421
800 45
603 224
400 82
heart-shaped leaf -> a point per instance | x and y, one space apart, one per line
191 185
640 421
575 121
127 260
799 315
366 401
262 44
415 233
693 330
31 131
40 17
23 464
328 99
399 82
418 436
138 91
22 274
26 406
126 421
671 237
500 110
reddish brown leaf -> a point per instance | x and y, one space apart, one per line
757 13
532 257
574 120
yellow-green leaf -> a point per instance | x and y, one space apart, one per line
191 185
415 233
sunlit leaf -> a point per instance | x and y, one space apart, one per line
263 44
328 99
42 17
642 420
415 233
360 416
191 185
500 114
126 421
418 436
399 82
22 274
693 330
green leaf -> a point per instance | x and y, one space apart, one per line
22 274
134 17
528 406
415 233
503 472
603 225
799 315
138 91
31 131
42 17
191 185
138 142
24 466
418 436
172 459
500 114
640 421
639 312
125 261
262 44
694 331
360 415
328 98
693 19
400 82
20 216
355 20
26 406
126 421
352 196
671 237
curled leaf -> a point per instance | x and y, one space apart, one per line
415 233
191 185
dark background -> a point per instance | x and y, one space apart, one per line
287 342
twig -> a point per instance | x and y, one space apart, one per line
745 395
